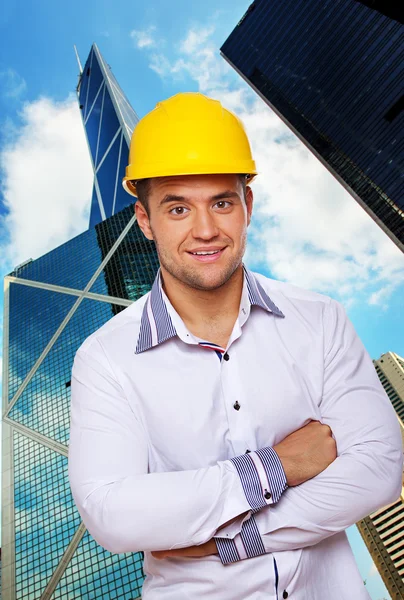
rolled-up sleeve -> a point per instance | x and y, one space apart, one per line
124 506
367 473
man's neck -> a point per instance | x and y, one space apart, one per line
208 314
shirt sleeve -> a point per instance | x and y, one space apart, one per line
365 476
124 506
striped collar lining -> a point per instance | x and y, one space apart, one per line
156 325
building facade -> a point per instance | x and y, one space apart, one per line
108 120
333 70
383 530
51 305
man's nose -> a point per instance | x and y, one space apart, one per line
204 225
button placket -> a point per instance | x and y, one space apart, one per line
236 408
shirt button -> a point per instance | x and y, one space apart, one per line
236 405
226 356
247 451
285 594
268 495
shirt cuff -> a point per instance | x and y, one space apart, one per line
262 476
246 544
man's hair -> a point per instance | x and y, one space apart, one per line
143 187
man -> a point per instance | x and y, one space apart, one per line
228 425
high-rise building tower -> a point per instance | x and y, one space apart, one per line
333 70
51 305
109 120
383 530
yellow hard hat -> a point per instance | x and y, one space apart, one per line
188 134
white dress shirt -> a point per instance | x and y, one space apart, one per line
171 436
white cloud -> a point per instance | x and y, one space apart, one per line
195 39
307 229
46 181
12 84
144 38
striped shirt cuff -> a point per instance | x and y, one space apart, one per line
262 476
246 544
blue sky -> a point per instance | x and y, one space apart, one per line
306 228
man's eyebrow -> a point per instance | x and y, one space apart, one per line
175 198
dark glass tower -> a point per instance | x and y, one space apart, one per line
51 305
109 120
333 70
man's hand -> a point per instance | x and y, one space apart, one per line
306 452
303 454
191 552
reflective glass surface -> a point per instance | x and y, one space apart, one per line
102 120
93 124
122 197
83 88
335 72
131 270
93 572
96 79
106 176
109 127
72 264
35 316
44 404
45 515
95 213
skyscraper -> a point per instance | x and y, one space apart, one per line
109 120
51 305
383 530
333 70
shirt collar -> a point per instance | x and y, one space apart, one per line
156 325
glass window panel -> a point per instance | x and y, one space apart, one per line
132 268
85 78
35 315
109 126
96 79
106 176
122 198
46 517
95 213
95 573
45 402
93 124
72 264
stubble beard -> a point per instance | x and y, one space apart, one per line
193 277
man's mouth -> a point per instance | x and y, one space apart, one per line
207 255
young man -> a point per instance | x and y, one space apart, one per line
228 425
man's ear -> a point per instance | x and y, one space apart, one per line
143 219
249 200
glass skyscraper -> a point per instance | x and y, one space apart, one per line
109 120
333 70
51 305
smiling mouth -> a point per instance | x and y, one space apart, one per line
207 255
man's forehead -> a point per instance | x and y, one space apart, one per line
184 184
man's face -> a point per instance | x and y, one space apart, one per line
192 215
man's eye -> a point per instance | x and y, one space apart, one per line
223 204
178 210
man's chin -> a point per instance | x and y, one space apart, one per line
208 281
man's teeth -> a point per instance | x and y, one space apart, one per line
204 253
